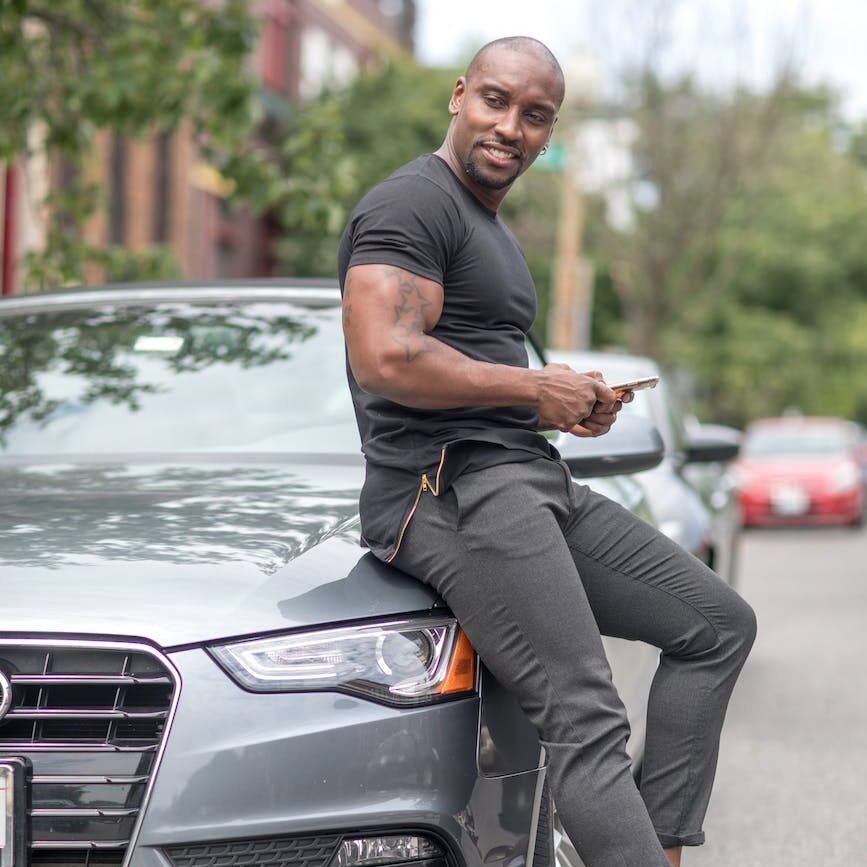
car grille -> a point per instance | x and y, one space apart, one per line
269 852
90 717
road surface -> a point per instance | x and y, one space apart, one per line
791 786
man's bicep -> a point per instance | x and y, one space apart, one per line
388 308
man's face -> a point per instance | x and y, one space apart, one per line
504 114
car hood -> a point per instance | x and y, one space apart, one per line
180 552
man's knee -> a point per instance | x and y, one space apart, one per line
725 632
744 625
737 634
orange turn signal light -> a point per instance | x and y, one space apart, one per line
461 674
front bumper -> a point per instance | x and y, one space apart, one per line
819 509
239 765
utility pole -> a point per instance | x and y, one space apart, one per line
570 314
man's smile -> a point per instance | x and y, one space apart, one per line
500 154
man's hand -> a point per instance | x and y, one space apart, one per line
602 417
568 399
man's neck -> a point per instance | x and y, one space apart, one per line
490 199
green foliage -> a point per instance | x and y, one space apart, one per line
71 67
793 313
747 267
530 211
393 115
343 143
317 177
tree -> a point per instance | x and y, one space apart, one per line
71 67
385 118
793 314
695 151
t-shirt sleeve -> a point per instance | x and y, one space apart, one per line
408 222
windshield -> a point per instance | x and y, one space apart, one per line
825 440
175 377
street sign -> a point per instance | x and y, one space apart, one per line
554 160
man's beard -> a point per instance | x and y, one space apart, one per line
483 180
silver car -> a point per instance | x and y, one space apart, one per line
694 507
199 666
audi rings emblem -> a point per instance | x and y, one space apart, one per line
5 695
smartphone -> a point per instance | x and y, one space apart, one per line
635 384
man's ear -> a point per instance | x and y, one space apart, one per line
551 133
457 97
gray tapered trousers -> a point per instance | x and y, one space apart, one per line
535 567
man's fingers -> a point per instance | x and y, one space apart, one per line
596 427
596 424
604 417
586 429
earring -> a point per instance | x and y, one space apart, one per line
544 150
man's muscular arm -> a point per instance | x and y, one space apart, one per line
388 314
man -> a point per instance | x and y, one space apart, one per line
463 493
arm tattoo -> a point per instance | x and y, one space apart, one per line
409 317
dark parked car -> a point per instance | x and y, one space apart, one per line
702 518
801 470
198 663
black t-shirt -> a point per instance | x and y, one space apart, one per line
424 220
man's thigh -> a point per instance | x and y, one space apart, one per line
640 584
493 547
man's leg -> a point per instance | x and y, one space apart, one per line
493 546
642 586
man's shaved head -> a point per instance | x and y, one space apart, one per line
503 113
520 44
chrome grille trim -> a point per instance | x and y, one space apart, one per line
66 747
88 780
83 812
78 679
129 647
83 713
89 845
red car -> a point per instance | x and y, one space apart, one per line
800 471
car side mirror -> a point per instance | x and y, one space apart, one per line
633 444
710 443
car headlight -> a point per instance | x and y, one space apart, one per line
843 477
401 663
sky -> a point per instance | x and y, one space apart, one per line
723 41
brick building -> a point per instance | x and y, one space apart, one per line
161 192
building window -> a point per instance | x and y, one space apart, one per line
324 63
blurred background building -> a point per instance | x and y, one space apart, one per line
160 191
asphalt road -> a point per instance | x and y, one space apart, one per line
791 785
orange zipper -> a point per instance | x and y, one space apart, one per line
424 486
436 492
